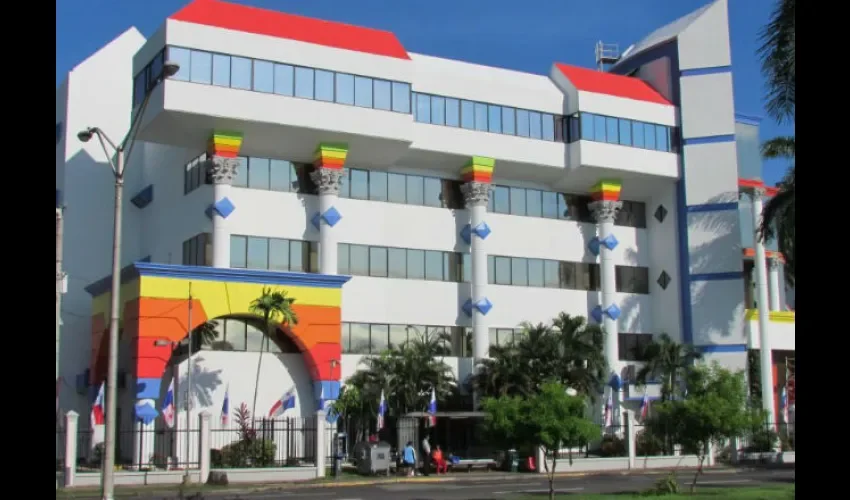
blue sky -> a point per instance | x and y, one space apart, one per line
521 35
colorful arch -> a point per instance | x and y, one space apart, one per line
156 308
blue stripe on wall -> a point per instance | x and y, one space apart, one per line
734 275
712 139
716 70
713 207
724 348
748 119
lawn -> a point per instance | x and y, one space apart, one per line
755 493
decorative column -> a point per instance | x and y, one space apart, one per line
766 362
329 161
774 264
222 164
477 175
605 206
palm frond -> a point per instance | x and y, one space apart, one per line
779 147
778 56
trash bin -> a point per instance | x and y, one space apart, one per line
373 458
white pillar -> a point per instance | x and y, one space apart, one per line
605 212
774 265
321 434
327 181
71 430
204 447
632 437
221 170
763 311
476 196
144 436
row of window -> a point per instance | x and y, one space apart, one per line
624 132
483 117
197 250
244 73
274 254
148 78
241 335
403 263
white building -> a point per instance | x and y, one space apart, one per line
466 203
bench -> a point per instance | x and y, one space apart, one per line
470 463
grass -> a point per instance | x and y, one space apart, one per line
784 492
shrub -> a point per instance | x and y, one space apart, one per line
248 453
665 486
762 441
612 446
648 443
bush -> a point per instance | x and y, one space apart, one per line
664 486
648 444
248 453
612 446
762 441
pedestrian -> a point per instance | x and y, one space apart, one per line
426 459
440 461
409 458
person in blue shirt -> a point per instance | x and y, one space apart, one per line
409 458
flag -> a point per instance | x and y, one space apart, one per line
783 405
225 406
609 408
382 411
168 405
280 406
97 417
432 409
644 407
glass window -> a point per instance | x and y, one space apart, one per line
280 175
493 336
240 73
258 173
587 129
433 265
637 135
359 184
234 334
551 276
501 200
569 275
398 335
466 267
201 68
183 57
533 203
344 88
661 138
480 117
284 79
508 120
297 259
433 192
535 125
359 338
255 340
342 258
452 267
503 270
550 205
563 207
494 119
313 256
380 338
522 124
625 135
258 253
612 127
422 113
358 263
396 187
240 178
535 272
452 112
519 271
397 263
263 76
363 91
416 264
324 86
221 70
491 269
304 83
238 252
401 97
438 110
378 262
415 190
517 201
548 127
278 254
383 95
600 125
467 114
377 185
649 135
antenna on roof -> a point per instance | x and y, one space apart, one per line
606 54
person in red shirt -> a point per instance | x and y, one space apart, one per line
440 460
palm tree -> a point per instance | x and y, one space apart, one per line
503 374
581 349
667 360
274 307
538 349
778 216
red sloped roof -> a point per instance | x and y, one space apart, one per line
303 29
600 82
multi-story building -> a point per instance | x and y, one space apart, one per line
392 193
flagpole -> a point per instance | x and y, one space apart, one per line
187 478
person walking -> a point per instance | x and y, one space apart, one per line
426 459
409 458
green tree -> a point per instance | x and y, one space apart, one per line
666 359
582 359
779 218
550 419
716 409
276 309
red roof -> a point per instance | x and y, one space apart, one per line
589 80
303 29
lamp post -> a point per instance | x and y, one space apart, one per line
124 147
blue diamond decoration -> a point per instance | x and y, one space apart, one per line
482 230
467 307
613 311
615 383
224 207
209 211
610 242
484 305
316 220
594 246
331 216
146 413
466 234
596 314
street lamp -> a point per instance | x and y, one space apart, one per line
125 146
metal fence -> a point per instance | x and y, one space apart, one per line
287 442
764 438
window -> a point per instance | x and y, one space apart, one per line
197 250
284 79
452 112
304 81
263 76
632 279
200 69
345 89
363 91
366 338
258 173
274 254
401 97
221 70
633 345
240 73
383 98
544 273
324 86
195 173
591 127
359 180
378 262
236 334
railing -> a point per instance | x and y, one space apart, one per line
287 442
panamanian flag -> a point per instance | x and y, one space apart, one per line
382 411
280 406
644 407
225 407
432 409
168 405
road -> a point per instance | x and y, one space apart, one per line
482 489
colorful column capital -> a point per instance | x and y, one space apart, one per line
478 169
331 156
224 144
606 190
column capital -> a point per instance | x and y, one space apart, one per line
758 192
222 170
327 180
774 262
475 193
604 210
